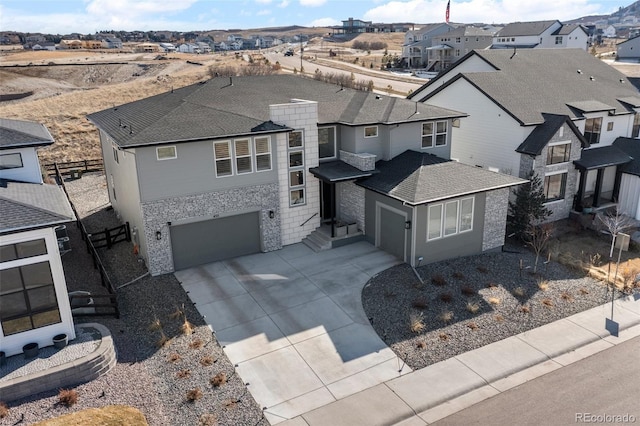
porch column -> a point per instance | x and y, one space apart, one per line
616 184
580 193
596 194
333 210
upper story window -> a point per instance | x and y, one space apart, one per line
558 39
243 155
297 190
457 39
592 129
635 132
222 156
558 153
263 153
11 161
166 152
295 139
327 142
371 132
434 133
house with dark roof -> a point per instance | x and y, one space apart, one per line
233 166
417 42
554 112
449 47
34 305
541 34
629 50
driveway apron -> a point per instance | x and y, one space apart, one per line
293 323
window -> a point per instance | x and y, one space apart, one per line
457 52
635 132
296 169
558 39
222 156
296 178
263 153
115 154
295 139
11 161
296 159
243 156
554 186
592 127
371 132
457 39
431 132
609 126
27 294
166 152
558 153
450 218
327 142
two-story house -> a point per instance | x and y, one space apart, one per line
449 47
555 112
541 34
233 166
416 43
34 305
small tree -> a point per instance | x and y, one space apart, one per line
537 236
528 207
614 223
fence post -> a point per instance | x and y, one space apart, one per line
85 166
128 229
107 235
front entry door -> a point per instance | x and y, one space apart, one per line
327 204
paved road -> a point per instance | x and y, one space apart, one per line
605 383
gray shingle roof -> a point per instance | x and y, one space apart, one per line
542 134
223 107
604 156
337 171
418 178
525 28
31 205
630 147
567 29
537 81
19 134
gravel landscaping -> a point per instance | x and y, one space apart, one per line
151 377
470 302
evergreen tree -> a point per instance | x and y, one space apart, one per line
528 207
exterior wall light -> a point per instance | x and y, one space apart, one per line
272 214
158 235
407 225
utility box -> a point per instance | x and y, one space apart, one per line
622 241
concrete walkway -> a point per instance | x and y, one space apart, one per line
293 323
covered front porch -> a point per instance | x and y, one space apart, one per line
600 176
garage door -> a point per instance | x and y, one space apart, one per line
216 239
391 233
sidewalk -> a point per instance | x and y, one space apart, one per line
439 390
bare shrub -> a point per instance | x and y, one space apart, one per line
421 344
446 297
438 280
473 307
565 295
468 291
155 325
519 292
458 275
446 316
218 380
196 343
499 318
174 357
194 394
4 410
68 397
583 291
525 309
186 327
482 269
420 303
163 340
543 285
443 336
416 322
473 325
547 302
207 361
495 301
207 419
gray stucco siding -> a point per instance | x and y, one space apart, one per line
373 201
192 172
409 136
458 245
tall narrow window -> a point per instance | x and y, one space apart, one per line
435 222
222 156
466 214
263 153
327 142
635 132
441 133
592 128
427 135
243 156
451 218
296 169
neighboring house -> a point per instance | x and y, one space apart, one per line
47 45
189 48
233 166
541 34
204 47
34 305
147 47
629 49
70 44
416 43
112 43
92 44
609 31
449 47
555 112
629 197
167 47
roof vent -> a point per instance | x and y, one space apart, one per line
592 78
579 71
377 96
622 80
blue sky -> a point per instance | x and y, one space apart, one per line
90 16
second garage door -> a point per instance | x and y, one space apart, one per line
208 241
391 233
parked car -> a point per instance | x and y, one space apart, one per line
288 53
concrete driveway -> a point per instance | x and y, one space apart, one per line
293 323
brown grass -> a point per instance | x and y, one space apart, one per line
4 410
583 291
438 280
566 296
543 285
421 344
443 336
207 361
196 343
519 292
68 397
499 318
183 374
525 309
446 316
420 303
495 301
207 420
473 325
186 327
110 415
194 394
416 322
547 302
155 325
218 380
174 357
163 340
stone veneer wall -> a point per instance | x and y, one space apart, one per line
299 115
207 206
362 161
351 202
495 218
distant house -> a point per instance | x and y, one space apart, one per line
92 44
204 47
189 48
541 34
70 44
609 31
241 165
112 43
629 49
147 47
416 43
449 47
46 45
167 47
556 112
33 291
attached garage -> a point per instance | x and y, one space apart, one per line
207 241
390 232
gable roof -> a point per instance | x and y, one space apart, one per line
20 134
224 107
571 76
525 28
631 147
30 205
419 178
567 29
542 134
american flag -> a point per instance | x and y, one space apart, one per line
446 16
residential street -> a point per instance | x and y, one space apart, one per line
606 383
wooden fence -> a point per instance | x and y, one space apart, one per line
73 168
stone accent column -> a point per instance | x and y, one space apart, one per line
362 161
495 218
351 202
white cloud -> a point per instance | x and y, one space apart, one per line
263 12
284 3
487 11
324 22
263 1
138 8
312 3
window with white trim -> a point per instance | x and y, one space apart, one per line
558 39
243 156
371 132
450 218
434 133
222 157
11 161
592 129
262 147
166 152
